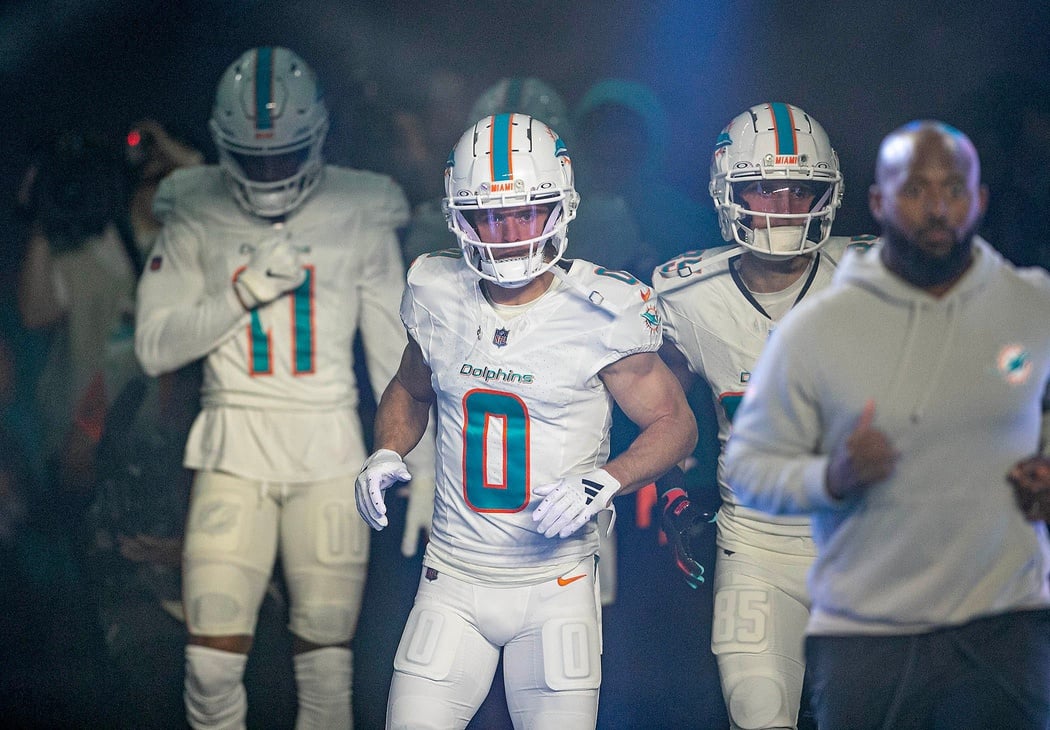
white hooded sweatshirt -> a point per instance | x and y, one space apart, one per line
958 383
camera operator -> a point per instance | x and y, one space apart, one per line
77 282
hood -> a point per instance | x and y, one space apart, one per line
864 269
638 98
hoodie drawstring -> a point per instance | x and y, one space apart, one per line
914 311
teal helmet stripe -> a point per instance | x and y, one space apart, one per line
502 169
784 127
515 87
263 89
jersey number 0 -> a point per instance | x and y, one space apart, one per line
495 451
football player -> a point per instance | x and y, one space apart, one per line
266 266
776 185
523 352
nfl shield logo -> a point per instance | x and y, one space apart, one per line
499 337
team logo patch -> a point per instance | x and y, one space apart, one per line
499 337
1014 364
155 263
651 318
745 376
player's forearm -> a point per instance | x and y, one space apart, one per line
656 450
401 419
167 339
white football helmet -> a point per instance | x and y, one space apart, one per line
777 142
269 123
509 161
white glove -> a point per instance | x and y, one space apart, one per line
570 502
380 471
418 516
273 269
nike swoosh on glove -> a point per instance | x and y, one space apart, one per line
570 502
273 269
380 471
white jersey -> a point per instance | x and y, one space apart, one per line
279 395
520 404
721 329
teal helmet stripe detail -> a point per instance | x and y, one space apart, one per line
263 89
784 126
502 169
514 91
560 150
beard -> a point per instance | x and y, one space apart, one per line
920 267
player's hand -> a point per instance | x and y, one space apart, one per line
1031 482
273 269
380 471
684 524
569 503
863 459
418 515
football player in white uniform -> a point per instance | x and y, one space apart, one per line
776 183
523 353
267 265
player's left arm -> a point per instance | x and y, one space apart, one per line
651 396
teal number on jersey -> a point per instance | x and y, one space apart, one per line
623 276
303 325
260 354
730 402
496 451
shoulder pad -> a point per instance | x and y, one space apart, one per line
377 195
692 266
863 242
837 246
189 188
445 253
444 264
610 290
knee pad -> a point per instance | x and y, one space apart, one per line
323 679
571 654
214 691
759 702
221 599
325 605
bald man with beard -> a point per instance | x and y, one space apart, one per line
901 408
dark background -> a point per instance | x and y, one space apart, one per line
861 68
